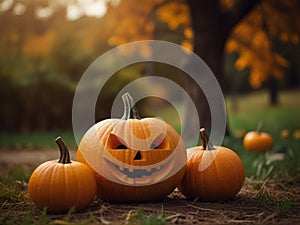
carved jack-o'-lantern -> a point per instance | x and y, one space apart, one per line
133 159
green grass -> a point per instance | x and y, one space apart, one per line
18 209
244 113
35 140
138 218
255 107
15 175
252 108
11 193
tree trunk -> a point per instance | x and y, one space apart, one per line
209 41
273 91
272 82
212 27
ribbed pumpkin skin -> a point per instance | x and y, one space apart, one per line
116 192
221 177
258 141
133 159
59 186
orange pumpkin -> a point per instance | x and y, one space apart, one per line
285 133
258 141
134 159
213 173
62 184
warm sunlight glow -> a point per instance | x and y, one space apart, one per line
5 5
86 7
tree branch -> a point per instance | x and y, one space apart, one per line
237 12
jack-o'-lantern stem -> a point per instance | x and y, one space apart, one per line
130 110
64 152
206 144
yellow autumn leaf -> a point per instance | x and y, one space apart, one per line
260 40
188 33
241 63
149 27
256 78
187 44
175 14
116 40
231 45
281 60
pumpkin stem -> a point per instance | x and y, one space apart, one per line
259 127
206 144
130 110
64 152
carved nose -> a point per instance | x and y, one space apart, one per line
137 156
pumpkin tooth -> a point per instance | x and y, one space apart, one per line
121 168
148 169
130 181
130 169
158 167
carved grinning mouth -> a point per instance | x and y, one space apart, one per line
141 175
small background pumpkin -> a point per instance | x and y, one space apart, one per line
62 184
213 173
133 159
258 141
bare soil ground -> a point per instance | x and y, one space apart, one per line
259 202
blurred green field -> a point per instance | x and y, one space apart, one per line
255 107
244 113
35 140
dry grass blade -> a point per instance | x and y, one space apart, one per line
249 207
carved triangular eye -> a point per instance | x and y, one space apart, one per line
114 142
153 146
160 142
121 146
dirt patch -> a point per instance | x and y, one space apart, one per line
248 207
259 202
28 157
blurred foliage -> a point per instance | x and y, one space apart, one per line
253 38
41 61
256 37
43 54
